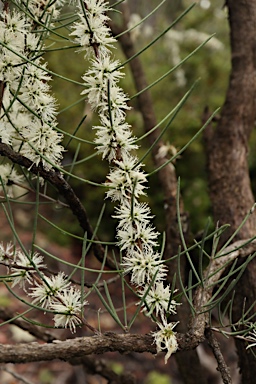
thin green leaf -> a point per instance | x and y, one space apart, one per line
75 131
238 229
182 286
142 20
186 145
108 308
176 111
156 39
68 263
181 233
171 70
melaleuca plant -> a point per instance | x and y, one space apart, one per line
34 157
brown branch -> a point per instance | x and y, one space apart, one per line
123 343
58 181
222 366
76 348
91 365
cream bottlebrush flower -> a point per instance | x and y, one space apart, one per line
158 299
7 132
13 21
128 214
7 253
9 176
33 114
97 8
144 266
17 118
251 339
41 144
96 80
126 179
9 61
34 93
91 31
69 306
35 75
104 68
114 136
165 338
116 103
43 10
141 233
45 293
24 268
12 28
41 103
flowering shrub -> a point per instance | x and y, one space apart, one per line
29 126
30 137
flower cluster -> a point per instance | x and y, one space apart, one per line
91 31
8 177
126 181
165 338
28 111
251 338
53 293
44 10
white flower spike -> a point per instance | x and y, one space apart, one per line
69 306
165 338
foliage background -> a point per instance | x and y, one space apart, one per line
210 66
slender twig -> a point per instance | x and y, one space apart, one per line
215 269
16 376
222 366
102 368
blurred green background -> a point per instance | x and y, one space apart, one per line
211 65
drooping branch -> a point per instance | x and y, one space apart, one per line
57 180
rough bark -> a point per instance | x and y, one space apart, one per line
227 150
227 144
222 366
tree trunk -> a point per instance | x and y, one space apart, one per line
227 150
